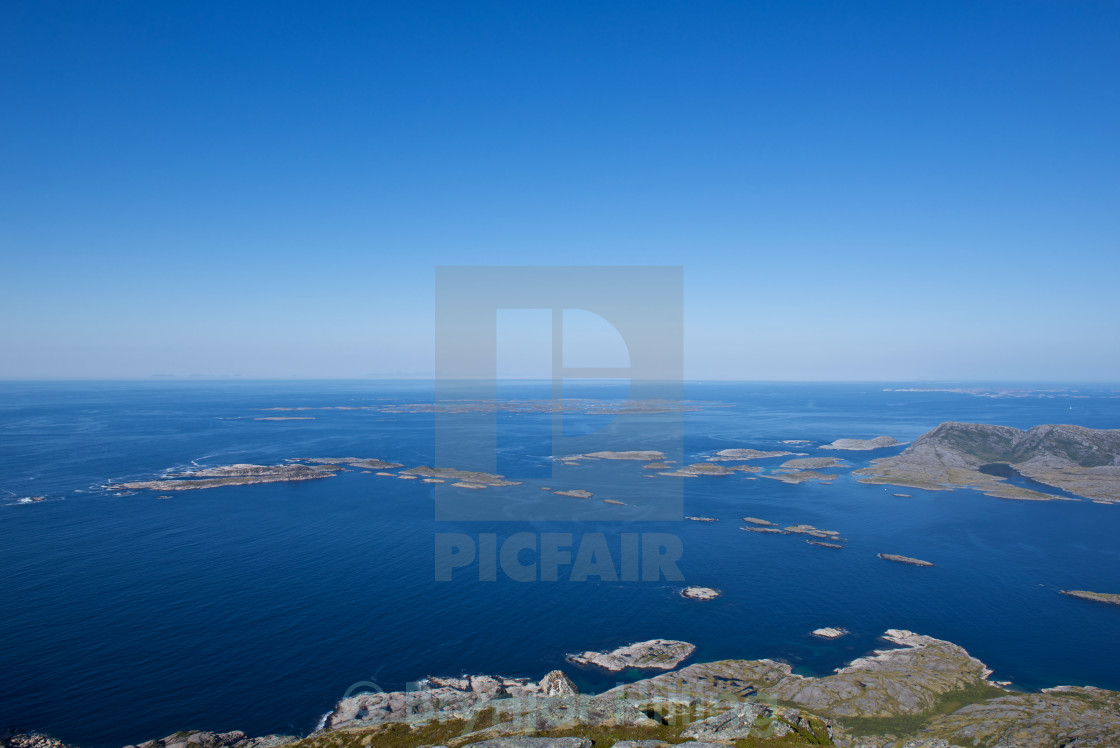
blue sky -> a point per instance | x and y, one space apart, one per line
861 190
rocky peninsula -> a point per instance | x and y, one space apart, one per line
1080 461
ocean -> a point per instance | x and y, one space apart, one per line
126 617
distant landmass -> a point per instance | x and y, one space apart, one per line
1079 461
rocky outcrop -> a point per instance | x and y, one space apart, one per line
700 593
1100 597
812 463
903 559
472 477
816 532
758 720
522 741
655 654
367 463
906 680
1066 716
1084 462
438 698
230 475
863 445
830 632
541 713
643 455
201 739
801 476
23 740
724 455
698 469
556 683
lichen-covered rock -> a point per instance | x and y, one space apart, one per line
1072 717
530 742
556 683
205 739
737 723
655 654
908 679
532 714
24 740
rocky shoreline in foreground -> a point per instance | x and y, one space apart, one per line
914 692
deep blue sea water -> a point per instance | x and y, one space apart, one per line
125 617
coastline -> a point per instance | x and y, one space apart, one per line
934 689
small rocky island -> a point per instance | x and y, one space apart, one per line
903 559
863 445
464 476
642 455
575 493
1100 597
801 476
733 455
700 593
698 469
829 632
655 654
229 475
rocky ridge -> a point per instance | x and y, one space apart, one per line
1080 461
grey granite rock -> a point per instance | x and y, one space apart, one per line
1067 716
205 739
655 654
24 740
556 683
737 723
530 742
907 679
